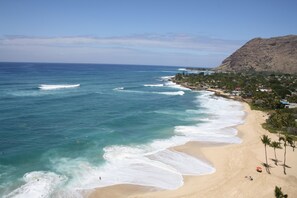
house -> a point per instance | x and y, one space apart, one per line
291 105
265 90
288 105
284 102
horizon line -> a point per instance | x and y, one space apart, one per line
90 63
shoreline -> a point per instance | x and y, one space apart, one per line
217 92
232 163
235 161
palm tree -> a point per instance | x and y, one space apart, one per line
275 145
287 140
266 141
278 193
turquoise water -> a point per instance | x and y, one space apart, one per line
62 126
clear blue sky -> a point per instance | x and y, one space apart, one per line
159 32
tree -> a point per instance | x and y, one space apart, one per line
287 140
266 141
275 145
278 193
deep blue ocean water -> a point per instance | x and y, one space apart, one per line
62 126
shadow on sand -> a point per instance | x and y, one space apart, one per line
267 167
275 161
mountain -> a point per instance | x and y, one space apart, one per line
277 54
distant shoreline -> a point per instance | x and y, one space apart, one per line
218 92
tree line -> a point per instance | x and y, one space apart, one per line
261 90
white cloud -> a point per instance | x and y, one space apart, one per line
170 49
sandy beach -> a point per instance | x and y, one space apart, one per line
233 162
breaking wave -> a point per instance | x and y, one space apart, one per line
169 93
38 184
154 164
153 85
175 86
172 93
53 87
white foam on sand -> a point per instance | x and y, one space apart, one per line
148 165
183 163
53 87
152 165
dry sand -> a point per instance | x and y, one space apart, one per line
232 163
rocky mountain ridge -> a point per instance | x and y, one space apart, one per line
277 54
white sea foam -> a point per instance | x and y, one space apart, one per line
154 164
168 83
166 78
148 165
223 115
124 165
153 85
53 87
169 93
175 86
38 184
119 88
172 93
182 69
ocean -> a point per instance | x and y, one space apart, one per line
67 128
